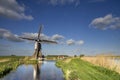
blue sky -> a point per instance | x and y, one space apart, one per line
87 27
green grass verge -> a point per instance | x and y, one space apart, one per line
6 67
78 69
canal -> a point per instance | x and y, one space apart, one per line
46 70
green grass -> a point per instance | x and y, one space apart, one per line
6 67
12 63
78 69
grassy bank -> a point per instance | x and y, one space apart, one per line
9 63
6 67
77 69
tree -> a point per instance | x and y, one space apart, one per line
75 55
82 55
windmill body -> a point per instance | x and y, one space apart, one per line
37 53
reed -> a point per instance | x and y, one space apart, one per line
104 61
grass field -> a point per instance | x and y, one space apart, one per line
77 69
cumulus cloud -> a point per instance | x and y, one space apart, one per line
70 42
61 2
6 34
57 37
35 35
29 35
106 22
73 42
81 42
12 9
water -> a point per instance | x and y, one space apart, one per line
42 71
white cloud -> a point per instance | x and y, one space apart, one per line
81 42
61 2
57 37
12 9
70 42
43 36
6 34
35 35
106 22
73 42
29 35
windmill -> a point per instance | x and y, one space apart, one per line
38 41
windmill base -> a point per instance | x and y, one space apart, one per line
37 55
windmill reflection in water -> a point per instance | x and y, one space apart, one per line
36 71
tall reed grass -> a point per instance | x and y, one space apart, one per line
104 61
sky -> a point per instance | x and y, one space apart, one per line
88 27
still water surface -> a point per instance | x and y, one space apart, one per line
45 70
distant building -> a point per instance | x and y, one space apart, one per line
57 56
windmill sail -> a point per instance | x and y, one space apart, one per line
40 31
48 41
28 38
